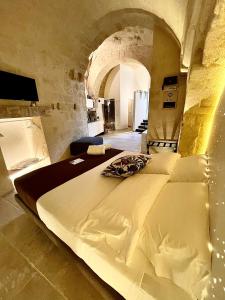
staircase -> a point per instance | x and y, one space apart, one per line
141 128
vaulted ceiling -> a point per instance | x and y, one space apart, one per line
75 28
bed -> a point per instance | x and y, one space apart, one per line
138 249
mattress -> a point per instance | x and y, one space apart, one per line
33 185
90 214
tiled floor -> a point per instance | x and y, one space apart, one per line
32 267
124 140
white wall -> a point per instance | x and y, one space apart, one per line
22 139
141 105
141 81
142 77
121 84
127 85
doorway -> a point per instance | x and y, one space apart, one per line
129 84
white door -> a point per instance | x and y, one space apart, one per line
130 112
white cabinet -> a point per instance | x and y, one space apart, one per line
95 128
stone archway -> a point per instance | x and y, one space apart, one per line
159 61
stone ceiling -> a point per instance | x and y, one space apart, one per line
130 44
76 28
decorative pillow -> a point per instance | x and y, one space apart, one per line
161 163
126 166
191 169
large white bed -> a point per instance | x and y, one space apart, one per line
146 236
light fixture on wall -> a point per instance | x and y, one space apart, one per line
138 39
117 39
1 135
75 75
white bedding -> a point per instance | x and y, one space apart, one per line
117 221
178 249
101 219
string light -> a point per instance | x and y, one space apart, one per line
210 247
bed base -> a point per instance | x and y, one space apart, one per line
102 287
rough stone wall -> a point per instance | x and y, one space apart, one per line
52 40
48 39
203 94
130 44
214 55
204 88
31 47
217 202
204 131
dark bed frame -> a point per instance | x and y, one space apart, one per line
102 287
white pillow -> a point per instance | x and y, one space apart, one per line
161 163
96 150
190 169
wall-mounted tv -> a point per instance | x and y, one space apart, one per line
16 87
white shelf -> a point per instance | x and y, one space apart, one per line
95 128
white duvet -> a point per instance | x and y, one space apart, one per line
117 221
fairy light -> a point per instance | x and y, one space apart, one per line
210 247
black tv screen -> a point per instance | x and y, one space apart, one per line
16 87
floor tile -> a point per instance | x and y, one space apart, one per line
60 267
39 289
15 272
8 212
28 238
124 140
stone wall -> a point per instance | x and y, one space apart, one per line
217 202
130 44
51 41
205 86
164 123
21 111
204 132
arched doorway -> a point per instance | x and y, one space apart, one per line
128 84
119 74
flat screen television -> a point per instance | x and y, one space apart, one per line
16 87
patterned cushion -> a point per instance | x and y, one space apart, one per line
126 166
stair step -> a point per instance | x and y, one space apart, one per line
143 127
140 130
146 121
144 124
